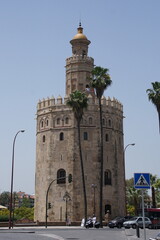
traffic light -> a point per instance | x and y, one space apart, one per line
49 205
70 178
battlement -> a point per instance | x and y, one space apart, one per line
50 102
78 58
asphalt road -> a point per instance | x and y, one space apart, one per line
71 233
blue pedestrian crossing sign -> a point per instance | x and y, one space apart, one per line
142 180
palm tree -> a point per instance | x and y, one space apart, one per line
78 102
153 180
134 196
154 97
100 81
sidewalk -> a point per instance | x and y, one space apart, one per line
131 234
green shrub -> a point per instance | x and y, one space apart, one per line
4 218
19 213
24 212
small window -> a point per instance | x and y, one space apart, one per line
47 122
42 124
44 138
107 208
58 121
61 176
107 137
61 136
107 177
109 123
90 120
85 136
83 53
103 121
67 120
82 121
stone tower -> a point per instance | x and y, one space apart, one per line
57 152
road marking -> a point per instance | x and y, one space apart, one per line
53 236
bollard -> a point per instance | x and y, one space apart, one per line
137 231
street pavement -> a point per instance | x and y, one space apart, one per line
73 233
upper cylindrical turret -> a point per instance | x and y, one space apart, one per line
79 66
80 43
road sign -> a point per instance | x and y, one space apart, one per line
142 180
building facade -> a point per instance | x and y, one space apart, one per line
57 152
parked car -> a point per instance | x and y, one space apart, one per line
156 238
118 222
137 221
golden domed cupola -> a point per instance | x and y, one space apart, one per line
80 43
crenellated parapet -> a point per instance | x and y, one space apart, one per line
59 101
79 58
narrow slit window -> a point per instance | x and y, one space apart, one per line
44 138
61 136
85 136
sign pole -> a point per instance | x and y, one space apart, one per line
142 181
144 227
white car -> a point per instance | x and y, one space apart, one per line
137 221
156 238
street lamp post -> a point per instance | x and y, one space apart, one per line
66 198
10 209
130 144
94 198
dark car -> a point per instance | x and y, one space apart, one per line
117 222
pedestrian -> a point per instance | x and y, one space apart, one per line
82 222
107 217
68 221
94 220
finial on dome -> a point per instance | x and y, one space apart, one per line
80 34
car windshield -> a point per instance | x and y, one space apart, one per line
134 218
117 218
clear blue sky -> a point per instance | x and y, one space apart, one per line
34 43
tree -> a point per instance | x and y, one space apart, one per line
133 197
153 180
154 97
5 198
26 203
100 81
155 187
78 102
24 212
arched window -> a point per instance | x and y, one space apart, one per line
107 177
42 124
66 120
58 121
83 53
44 138
82 121
109 123
47 122
90 120
61 176
103 121
108 208
85 136
107 137
61 136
